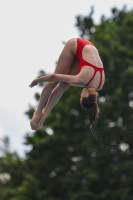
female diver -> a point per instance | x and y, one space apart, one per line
80 65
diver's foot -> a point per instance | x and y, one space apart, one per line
40 123
35 119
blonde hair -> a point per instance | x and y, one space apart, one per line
91 103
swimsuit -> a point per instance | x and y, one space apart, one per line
80 45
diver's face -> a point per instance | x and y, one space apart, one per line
84 94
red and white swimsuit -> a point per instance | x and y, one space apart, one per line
80 45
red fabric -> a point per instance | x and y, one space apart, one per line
80 45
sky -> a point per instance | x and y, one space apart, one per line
31 35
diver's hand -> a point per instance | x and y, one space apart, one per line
33 83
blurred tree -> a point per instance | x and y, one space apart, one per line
11 172
66 161
114 37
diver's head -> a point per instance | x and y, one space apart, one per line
88 100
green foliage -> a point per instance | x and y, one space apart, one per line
66 161
113 37
11 173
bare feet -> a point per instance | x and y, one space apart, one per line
34 121
40 123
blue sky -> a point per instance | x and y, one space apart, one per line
28 43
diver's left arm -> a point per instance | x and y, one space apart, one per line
72 80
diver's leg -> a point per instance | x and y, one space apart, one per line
57 93
63 66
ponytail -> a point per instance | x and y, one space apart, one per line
95 112
91 103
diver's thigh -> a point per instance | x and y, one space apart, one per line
66 58
73 70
